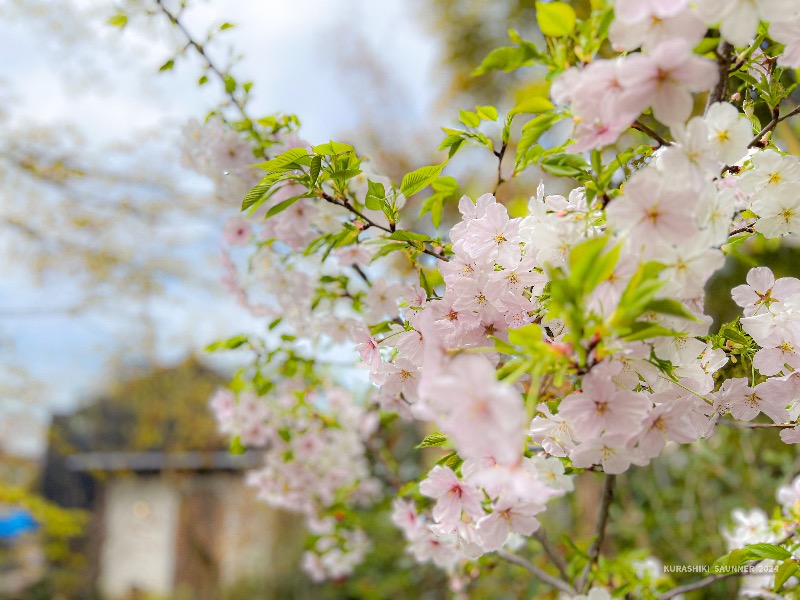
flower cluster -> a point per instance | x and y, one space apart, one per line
571 337
308 463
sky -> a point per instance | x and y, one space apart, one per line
95 91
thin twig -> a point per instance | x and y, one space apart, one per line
706 581
500 156
346 205
361 274
552 552
211 66
772 125
696 585
370 223
737 425
748 229
639 126
600 530
537 572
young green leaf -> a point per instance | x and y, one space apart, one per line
433 439
418 180
555 19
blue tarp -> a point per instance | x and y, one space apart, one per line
16 523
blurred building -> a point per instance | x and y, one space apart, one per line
170 514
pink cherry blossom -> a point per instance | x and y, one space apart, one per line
452 496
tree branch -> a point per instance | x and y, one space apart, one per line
737 425
211 66
748 229
639 126
724 59
772 125
552 553
706 581
537 572
370 223
696 585
500 156
361 274
600 530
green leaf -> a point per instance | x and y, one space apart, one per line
583 256
376 196
225 26
332 148
785 571
167 66
118 20
407 489
281 206
425 284
531 132
508 58
707 45
203 80
256 194
532 105
287 161
230 83
236 445
314 169
468 118
488 113
566 165
670 306
645 330
452 460
555 19
528 335
229 344
418 180
387 249
409 236
768 551
433 439
502 346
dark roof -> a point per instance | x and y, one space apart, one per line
154 461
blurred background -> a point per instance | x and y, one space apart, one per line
114 482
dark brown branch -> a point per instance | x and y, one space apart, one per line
537 572
600 531
724 59
361 274
346 205
772 125
748 229
639 126
370 223
500 156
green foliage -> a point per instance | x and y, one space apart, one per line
444 189
418 180
555 19
118 20
510 58
433 439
